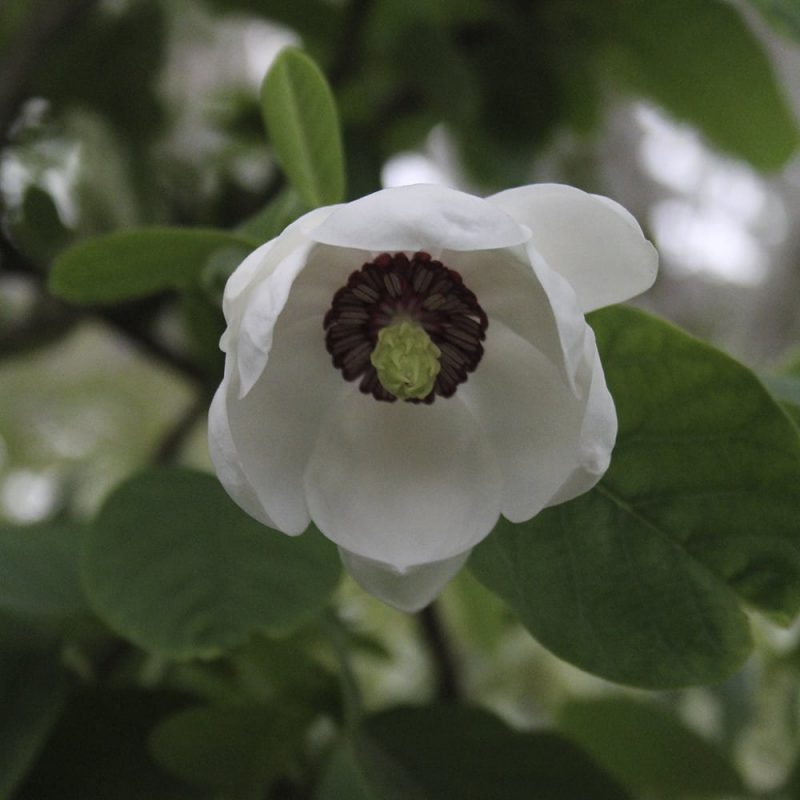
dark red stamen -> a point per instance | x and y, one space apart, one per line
420 289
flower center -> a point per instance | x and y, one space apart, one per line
407 360
407 327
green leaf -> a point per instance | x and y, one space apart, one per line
135 263
39 570
33 690
303 126
175 566
98 751
236 750
274 217
784 15
444 752
640 580
648 750
701 62
343 778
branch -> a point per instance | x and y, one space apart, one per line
449 684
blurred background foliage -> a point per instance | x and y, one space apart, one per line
121 113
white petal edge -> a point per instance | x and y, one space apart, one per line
226 461
408 591
517 287
401 483
532 417
274 428
264 259
598 431
591 240
420 217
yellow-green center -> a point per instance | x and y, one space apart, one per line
406 360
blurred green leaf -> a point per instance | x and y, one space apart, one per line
98 751
344 779
39 569
236 750
640 580
784 15
110 64
134 263
648 750
33 690
444 752
175 566
303 126
702 63
38 231
267 223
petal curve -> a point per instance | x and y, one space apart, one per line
420 217
592 241
402 483
407 591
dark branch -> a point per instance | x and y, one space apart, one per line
448 683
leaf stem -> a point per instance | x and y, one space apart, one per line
449 687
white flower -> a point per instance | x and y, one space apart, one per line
404 368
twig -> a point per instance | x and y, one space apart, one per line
449 685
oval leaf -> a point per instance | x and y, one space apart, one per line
648 750
702 63
303 126
640 580
39 569
175 566
443 752
135 263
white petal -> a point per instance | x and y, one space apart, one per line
264 259
275 426
401 483
598 431
226 461
517 288
591 240
420 217
265 303
407 591
532 417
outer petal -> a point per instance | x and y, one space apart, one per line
598 430
517 288
532 416
226 460
274 428
261 263
420 217
591 240
408 591
404 484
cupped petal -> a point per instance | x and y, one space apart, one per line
403 483
532 417
264 260
591 240
420 217
407 591
517 288
274 427
598 430
300 287
225 458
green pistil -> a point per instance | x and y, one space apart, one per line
407 361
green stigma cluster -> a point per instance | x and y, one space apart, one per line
406 360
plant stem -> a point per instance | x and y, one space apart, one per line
445 663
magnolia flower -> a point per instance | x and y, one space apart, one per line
403 369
